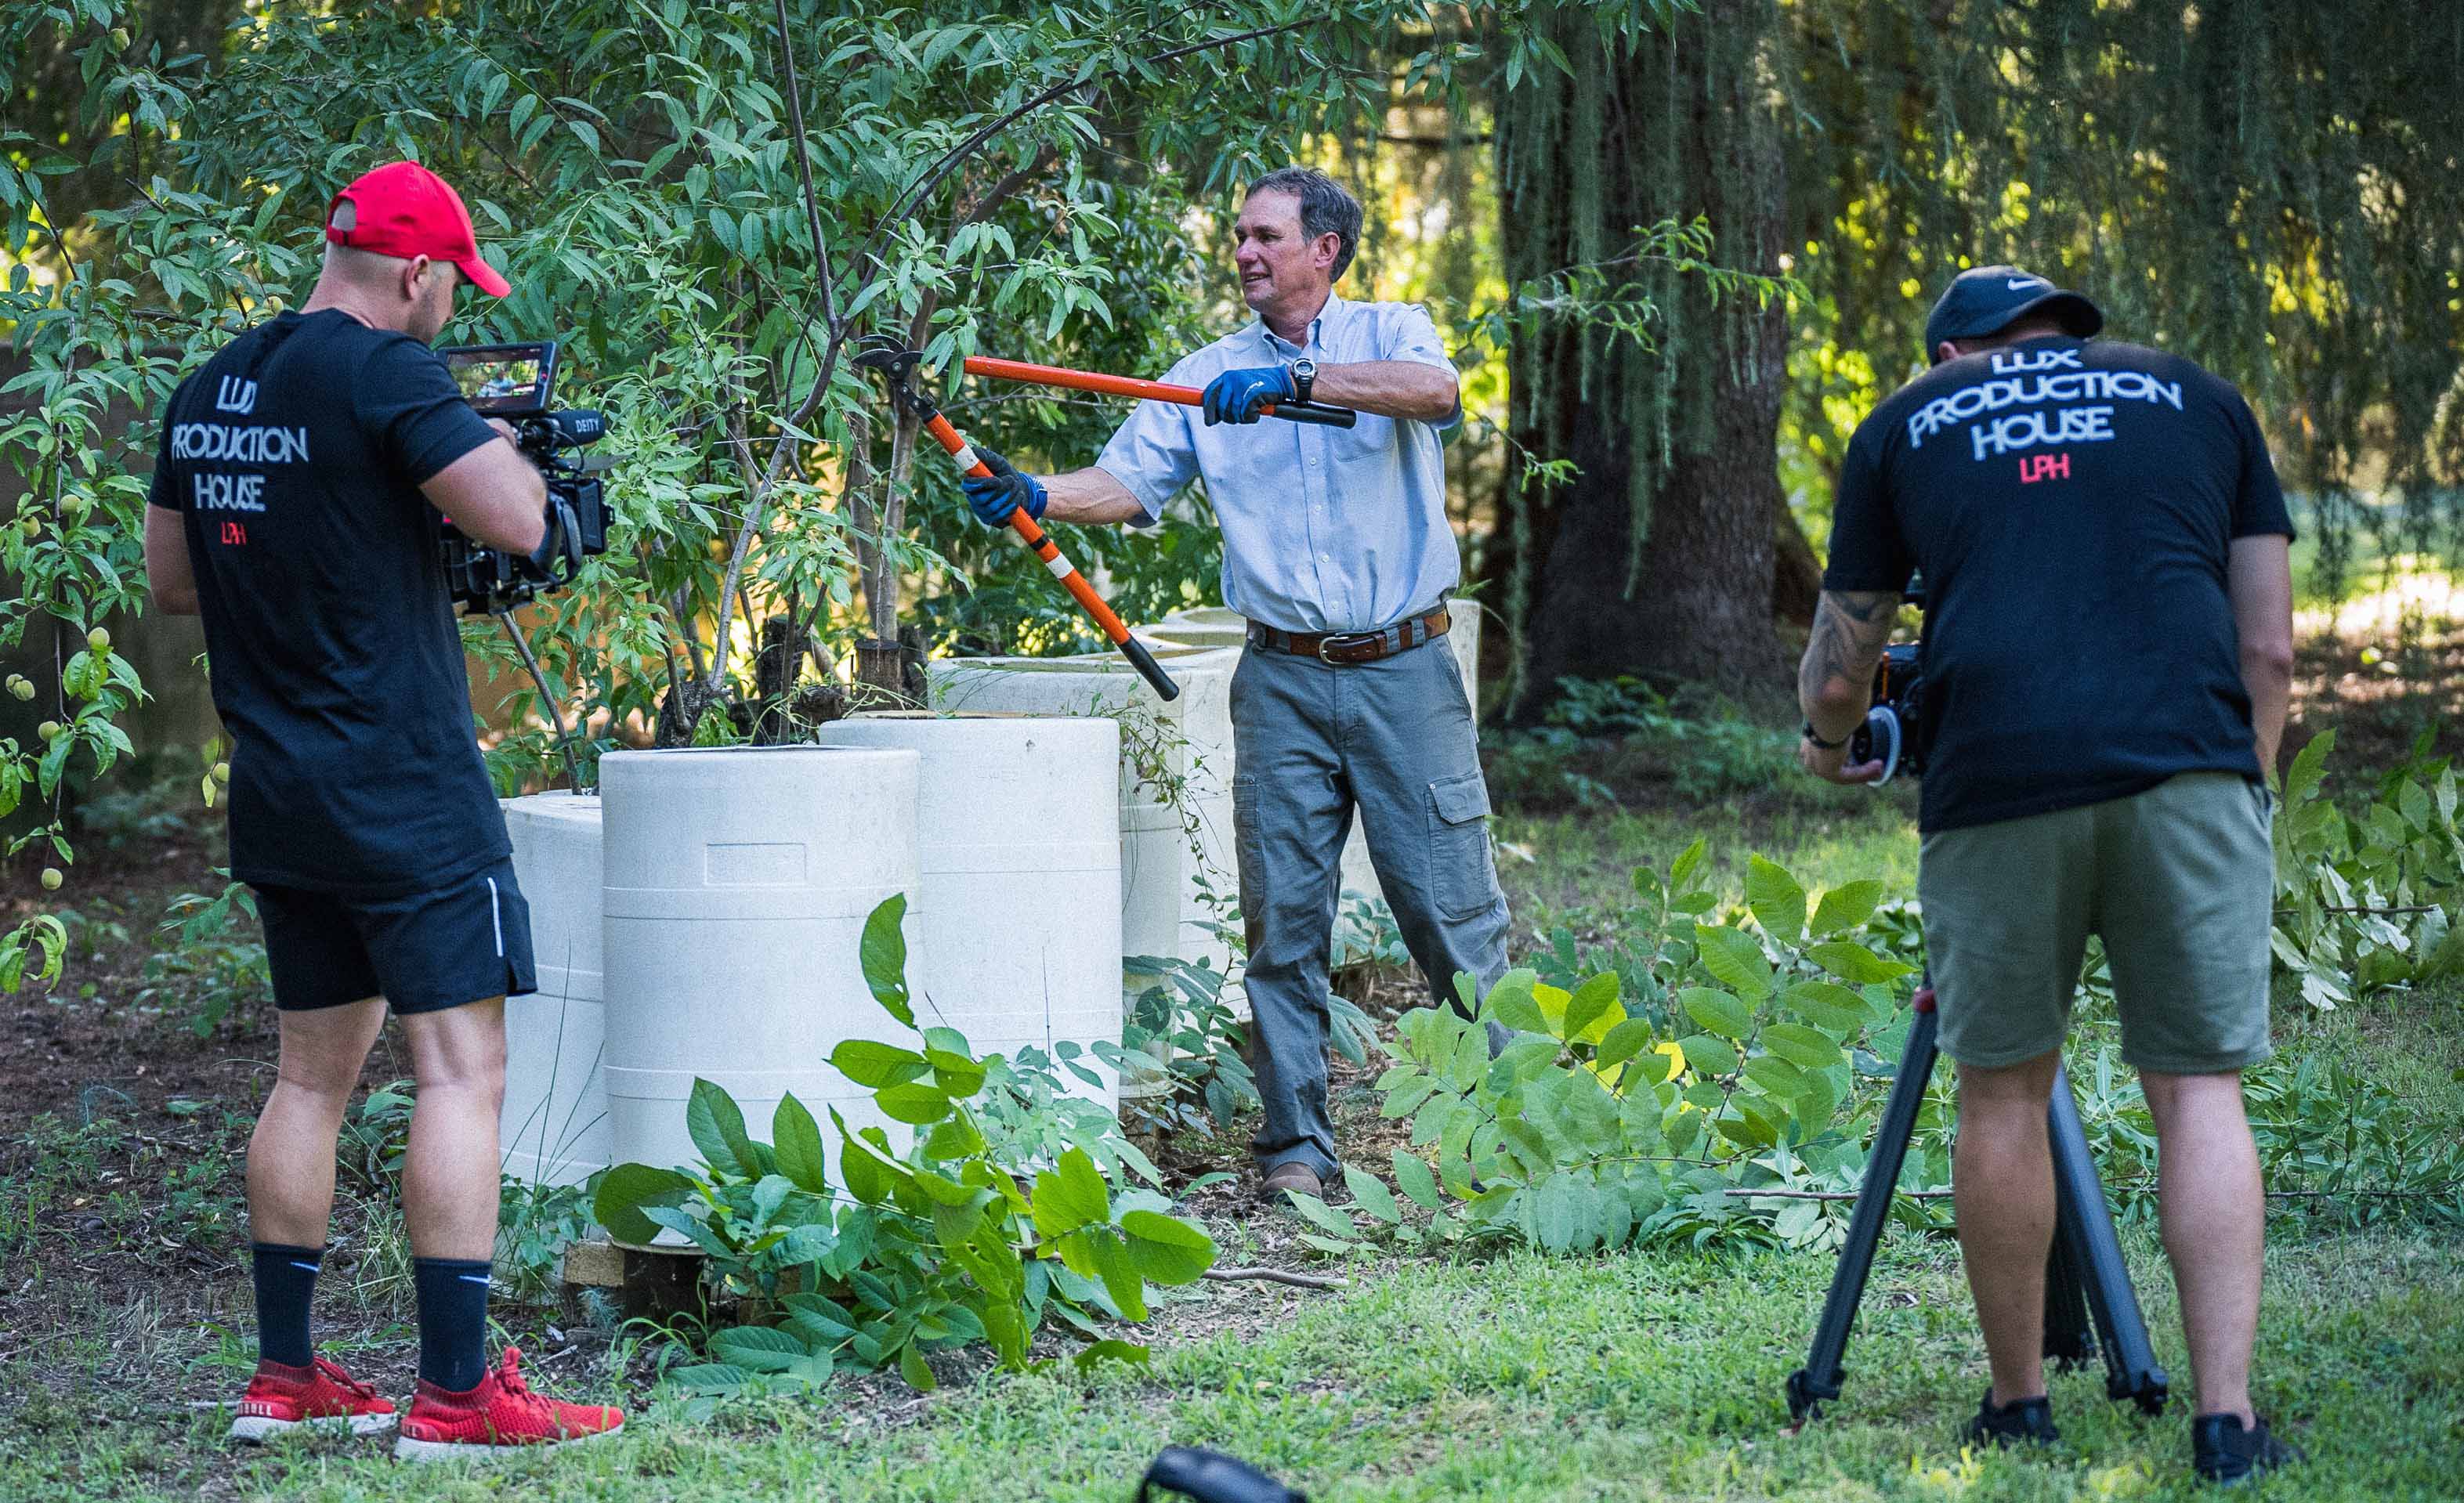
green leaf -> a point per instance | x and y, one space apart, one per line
797 1141
1119 1271
1801 1046
956 1074
1709 1055
1555 1211
1844 907
1169 1250
626 1190
1816 1104
955 1137
1070 1196
1109 1350
875 1065
1777 901
1686 863
912 1367
710 1378
884 956
1855 964
1372 1195
1412 1173
757 1348
716 1124
1827 1004
1511 1003
1623 1042
1734 958
1325 1216
1715 1012
1588 1004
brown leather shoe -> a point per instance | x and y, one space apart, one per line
1298 1178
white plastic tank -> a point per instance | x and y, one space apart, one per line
737 885
554 1128
1018 836
1178 878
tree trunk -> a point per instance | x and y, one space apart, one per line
1659 559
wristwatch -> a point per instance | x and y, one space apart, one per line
1304 377
1826 745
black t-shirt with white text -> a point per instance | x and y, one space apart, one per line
2071 507
294 457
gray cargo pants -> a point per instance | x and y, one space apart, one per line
1311 741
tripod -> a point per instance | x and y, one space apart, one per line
2089 1304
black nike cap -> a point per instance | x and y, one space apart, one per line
1991 298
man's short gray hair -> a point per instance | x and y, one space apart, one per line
1327 208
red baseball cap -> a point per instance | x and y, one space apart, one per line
403 209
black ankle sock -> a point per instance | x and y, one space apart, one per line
452 1321
286 1281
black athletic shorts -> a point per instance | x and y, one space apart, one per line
465 942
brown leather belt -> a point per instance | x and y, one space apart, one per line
1346 647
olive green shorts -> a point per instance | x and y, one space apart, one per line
2179 881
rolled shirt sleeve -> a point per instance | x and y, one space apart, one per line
1153 454
1411 335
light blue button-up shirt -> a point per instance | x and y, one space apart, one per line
1324 528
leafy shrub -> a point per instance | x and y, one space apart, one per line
934 1248
217 964
1752 1059
1180 1025
2374 900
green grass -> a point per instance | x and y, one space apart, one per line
1638 1376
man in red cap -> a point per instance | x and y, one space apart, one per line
294 506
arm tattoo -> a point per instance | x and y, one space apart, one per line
1850 627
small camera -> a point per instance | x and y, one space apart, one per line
1894 726
517 383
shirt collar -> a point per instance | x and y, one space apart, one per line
1329 318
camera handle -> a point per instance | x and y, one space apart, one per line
2086 1280
1212 1477
547 697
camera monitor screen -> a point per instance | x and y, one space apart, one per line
504 380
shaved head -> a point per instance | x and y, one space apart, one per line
414 296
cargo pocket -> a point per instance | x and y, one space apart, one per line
1461 880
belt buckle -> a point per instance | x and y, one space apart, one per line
1343 640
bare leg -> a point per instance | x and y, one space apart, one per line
2002 1172
449 1175
2214 1209
291 1154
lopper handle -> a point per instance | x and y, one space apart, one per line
1033 374
1060 567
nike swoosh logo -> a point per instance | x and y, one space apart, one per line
2025 282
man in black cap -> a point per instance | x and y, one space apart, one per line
2107 654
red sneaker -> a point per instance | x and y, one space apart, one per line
499 1415
320 1397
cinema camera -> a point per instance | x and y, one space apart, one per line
1894 729
517 382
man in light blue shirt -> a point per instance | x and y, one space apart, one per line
1337 549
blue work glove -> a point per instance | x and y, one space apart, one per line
1236 396
995 497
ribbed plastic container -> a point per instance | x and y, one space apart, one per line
1176 777
737 884
554 1129
1019 834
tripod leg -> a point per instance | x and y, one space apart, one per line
2069 1339
2086 1225
1818 1380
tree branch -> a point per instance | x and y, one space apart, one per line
1275 1276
